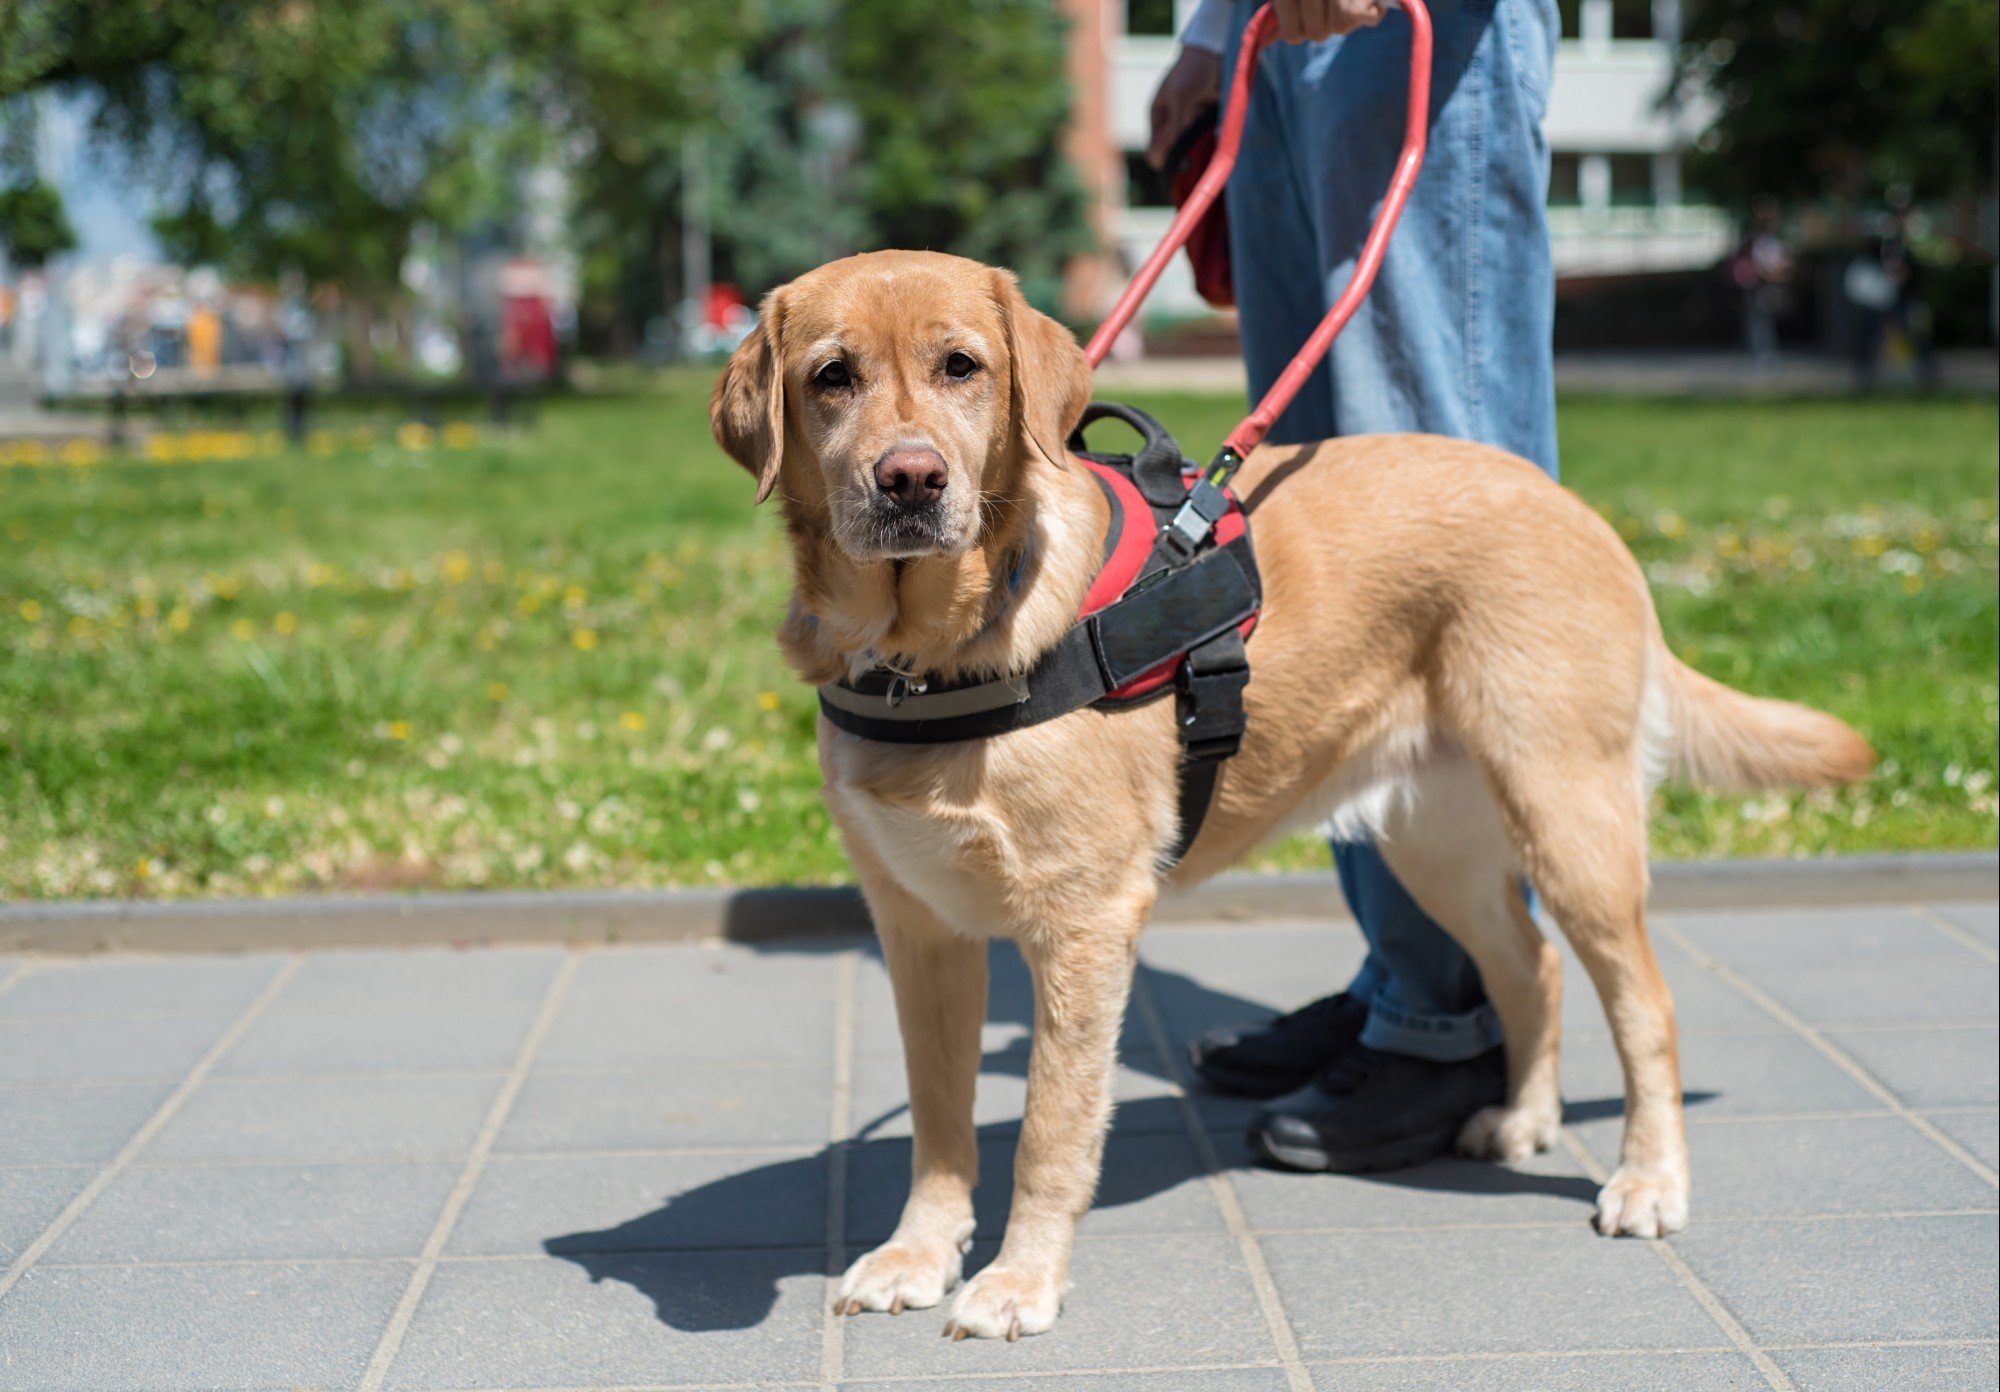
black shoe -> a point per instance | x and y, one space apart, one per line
1377 1111
1282 1056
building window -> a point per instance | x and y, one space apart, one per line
1145 186
1149 17
1565 180
1631 181
1632 19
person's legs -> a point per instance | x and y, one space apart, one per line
1453 339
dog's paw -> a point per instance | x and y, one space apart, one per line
1638 1204
897 1278
1509 1134
1005 1303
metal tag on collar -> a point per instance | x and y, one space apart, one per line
902 686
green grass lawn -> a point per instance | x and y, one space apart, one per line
546 660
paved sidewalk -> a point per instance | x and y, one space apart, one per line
532 1169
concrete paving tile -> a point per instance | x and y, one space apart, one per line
644 1203
1946 1368
1150 1184
165 1329
1978 1132
327 1119
1843 966
1980 920
1510 1291
1134 1302
143 986
1722 1076
458 1041
1204 977
637 1032
709 1104
30 1198
676 971
1146 1098
1450 1191
1192 1380
61 1125
58 1050
1773 1169
1589 1372
1847 1279
383 980
726 1317
1930 1068
187 1213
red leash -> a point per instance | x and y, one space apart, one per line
1250 432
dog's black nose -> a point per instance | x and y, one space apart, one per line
912 477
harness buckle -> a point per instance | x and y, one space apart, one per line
1208 690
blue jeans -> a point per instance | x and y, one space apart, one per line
1454 339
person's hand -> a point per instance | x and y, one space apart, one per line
1193 82
1309 21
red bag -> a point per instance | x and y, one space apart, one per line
1208 243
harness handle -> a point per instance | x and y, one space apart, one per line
1250 432
1156 468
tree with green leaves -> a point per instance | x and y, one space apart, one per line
33 226
1844 98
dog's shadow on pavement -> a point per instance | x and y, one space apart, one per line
671 1254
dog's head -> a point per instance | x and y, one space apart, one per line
890 395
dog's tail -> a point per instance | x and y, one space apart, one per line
1731 742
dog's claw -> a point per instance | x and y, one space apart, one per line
896 1306
1014 1330
958 1333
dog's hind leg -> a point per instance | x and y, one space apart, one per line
940 982
1449 848
1581 832
1082 973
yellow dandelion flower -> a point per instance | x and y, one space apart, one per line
398 729
487 639
1873 544
461 435
286 624
79 627
413 435
163 449
456 568
527 604
179 619
320 574
1913 584
633 721
494 572
584 640
496 691
31 611
574 597
767 700
322 442
243 630
148 607
81 452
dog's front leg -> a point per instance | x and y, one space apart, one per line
1082 975
940 983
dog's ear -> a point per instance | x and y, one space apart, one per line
746 411
1049 377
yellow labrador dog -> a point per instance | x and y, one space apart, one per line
1455 655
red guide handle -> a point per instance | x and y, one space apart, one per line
1416 125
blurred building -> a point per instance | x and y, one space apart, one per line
1618 203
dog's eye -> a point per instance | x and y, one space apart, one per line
960 366
833 375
